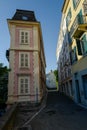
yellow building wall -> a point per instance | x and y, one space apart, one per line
74 11
80 65
82 61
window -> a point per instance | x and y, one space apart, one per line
80 17
69 38
75 3
73 55
24 17
84 44
79 47
24 37
68 18
24 84
24 60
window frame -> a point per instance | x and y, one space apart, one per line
24 37
22 60
73 55
83 42
68 17
22 91
75 4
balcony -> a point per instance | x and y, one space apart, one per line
79 26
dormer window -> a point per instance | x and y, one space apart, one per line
24 17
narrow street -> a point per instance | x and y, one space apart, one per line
60 113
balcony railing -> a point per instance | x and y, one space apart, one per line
79 20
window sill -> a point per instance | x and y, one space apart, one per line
24 43
24 67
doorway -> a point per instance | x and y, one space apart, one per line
78 91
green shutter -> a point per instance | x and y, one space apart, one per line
80 18
66 21
74 4
78 47
75 55
84 44
70 13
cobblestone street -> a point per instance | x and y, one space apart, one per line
61 113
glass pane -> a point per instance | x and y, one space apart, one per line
26 33
24 18
26 81
22 80
26 64
22 41
22 59
22 86
21 91
84 44
26 55
26 90
22 55
22 33
26 37
22 37
26 41
74 4
22 64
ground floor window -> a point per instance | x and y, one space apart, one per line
24 85
84 79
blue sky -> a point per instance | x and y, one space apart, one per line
48 12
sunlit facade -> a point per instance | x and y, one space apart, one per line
75 13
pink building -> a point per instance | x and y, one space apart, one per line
27 80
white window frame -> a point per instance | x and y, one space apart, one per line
23 86
22 60
23 38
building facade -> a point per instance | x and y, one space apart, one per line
27 80
51 82
75 12
63 59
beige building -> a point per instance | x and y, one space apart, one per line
27 79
